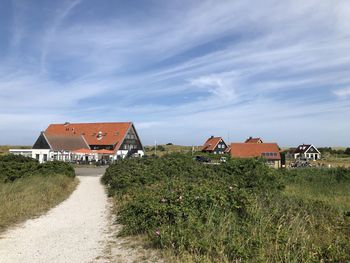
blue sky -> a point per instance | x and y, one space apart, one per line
180 70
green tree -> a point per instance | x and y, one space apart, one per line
347 151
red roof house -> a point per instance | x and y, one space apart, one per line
214 145
111 136
269 151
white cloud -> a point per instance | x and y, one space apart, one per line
343 93
241 60
219 87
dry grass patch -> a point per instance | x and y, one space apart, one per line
168 149
32 196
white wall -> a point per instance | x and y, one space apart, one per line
24 152
39 154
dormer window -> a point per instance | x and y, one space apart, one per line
99 135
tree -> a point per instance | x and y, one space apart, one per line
347 151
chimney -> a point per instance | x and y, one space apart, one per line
211 137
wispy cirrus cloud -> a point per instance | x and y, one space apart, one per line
180 68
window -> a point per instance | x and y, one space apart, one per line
37 156
45 158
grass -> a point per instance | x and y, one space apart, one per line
334 194
32 196
4 149
335 161
168 149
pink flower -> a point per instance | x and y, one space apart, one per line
157 232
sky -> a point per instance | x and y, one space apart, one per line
180 70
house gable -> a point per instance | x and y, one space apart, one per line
253 140
312 149
131 141
41 142
215 145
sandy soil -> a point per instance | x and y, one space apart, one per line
80 229
73 231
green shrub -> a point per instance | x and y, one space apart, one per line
233 211
13 167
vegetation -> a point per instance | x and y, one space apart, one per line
13 167
329 151
168 149
28 189
241 210
4 149
331 186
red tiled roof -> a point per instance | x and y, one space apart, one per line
108 133
211 143
83 151
248 150
102 151
253 140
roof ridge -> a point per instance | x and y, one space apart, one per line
91 122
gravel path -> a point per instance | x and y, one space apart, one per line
74 231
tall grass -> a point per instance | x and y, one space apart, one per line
28 188
330 186
32 196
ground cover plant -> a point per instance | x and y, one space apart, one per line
240 210
28 189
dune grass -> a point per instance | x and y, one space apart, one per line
333 195
168 149
32 196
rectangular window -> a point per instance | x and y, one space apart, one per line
45 157
37 156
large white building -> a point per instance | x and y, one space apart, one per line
85 142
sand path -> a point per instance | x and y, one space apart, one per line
73 231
